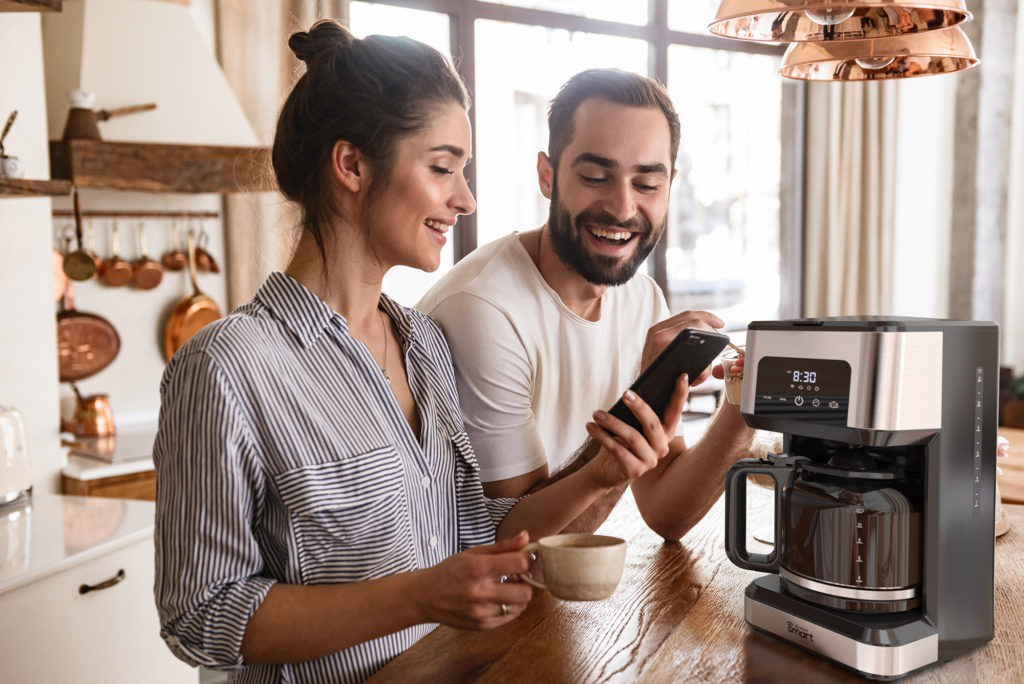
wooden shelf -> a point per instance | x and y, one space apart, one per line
21 187
30 5
151 167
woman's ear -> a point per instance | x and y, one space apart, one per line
349 166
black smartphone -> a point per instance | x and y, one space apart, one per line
690 352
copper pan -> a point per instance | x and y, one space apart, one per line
191 313
86 343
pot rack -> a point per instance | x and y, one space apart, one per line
67 213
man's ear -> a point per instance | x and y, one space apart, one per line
545 174
349 166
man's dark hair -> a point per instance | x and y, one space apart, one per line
613 85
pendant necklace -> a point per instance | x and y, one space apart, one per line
383 329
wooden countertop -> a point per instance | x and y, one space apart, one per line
677 615
1011 482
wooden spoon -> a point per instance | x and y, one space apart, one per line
147 273
116 271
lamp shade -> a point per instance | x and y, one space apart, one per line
924 54
789 21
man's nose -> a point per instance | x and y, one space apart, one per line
619 202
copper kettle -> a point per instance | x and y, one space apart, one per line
92 416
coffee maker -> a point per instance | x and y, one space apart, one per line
885 491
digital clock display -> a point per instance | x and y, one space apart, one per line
787 376
804 376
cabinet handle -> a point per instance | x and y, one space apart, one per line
86 588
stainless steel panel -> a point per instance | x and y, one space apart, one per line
896 377
881 661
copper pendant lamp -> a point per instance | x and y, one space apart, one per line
788 21
934 52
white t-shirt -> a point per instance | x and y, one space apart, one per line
530 372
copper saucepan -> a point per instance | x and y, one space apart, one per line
191 313
146 273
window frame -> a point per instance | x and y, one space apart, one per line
463 15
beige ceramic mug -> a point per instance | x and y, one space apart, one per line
579 567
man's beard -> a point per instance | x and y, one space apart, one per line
599 269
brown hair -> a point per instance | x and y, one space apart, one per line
370 92
613 85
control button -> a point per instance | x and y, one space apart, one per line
833 404
433 541
815 403
815 388
799 401
425 481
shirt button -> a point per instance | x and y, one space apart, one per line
433 541
425 481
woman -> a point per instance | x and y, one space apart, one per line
319 507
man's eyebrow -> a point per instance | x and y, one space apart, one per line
589 158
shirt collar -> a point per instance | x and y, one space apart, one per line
307 316
301 311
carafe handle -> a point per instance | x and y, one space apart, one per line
783 472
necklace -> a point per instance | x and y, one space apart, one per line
383 329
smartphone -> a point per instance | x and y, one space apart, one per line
690 352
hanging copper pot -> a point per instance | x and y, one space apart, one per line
191 313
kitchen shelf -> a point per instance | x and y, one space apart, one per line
152 167
21 187
30 5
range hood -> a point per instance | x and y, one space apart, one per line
130 52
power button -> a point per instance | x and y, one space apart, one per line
799 401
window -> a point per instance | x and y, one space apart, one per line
726 247
722 239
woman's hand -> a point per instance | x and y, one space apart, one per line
625 453
466 591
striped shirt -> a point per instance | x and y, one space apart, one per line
283 456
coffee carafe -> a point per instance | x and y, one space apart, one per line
854 529
884 500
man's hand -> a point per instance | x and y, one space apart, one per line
625 453
663 332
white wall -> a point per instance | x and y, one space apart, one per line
28 339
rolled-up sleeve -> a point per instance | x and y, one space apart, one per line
209 569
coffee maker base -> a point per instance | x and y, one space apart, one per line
880 647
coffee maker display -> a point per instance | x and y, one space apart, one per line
884 493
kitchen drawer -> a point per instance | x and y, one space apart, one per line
141 485
53 633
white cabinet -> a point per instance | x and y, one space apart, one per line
51 632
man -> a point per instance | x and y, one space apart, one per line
545 326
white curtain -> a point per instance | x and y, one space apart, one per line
849 198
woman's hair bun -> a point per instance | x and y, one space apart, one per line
325 35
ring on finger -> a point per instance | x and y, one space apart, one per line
504 609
